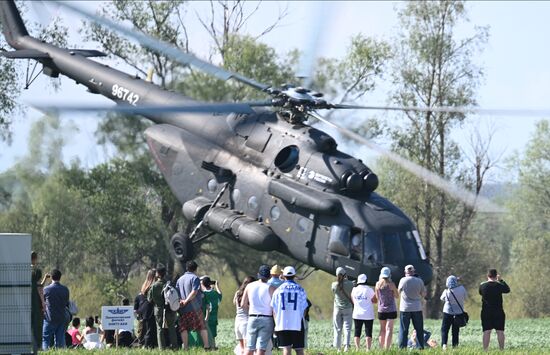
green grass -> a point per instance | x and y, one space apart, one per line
523 336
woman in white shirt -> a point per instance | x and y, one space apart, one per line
454 297
363 297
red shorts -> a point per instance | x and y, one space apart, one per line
193 320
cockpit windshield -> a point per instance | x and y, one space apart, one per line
393 248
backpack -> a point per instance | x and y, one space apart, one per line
145 308
171 297
73 308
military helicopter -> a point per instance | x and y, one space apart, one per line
260 177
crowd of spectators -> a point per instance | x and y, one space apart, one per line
272 310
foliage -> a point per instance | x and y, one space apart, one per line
11 70
161 19
529 218
433 68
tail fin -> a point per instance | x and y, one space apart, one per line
12 24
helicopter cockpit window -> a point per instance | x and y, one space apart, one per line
393 251
373 249
410 249
339 240
287 158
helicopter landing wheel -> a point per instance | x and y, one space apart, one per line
182 247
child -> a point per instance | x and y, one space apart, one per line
211 302
74 332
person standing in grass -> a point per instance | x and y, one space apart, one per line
454 297
211 302
165 318
289 303
492 310
343 308
386 293
363 297
412 291
241 317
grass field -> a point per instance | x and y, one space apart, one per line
523 336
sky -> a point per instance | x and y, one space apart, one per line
515 63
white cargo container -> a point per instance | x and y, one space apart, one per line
15 294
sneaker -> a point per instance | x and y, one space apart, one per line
444 346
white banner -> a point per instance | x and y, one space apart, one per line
117 317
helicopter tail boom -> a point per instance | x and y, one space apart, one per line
12 24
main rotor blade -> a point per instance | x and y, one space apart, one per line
310 54
458 192
240 108
450 109
165 48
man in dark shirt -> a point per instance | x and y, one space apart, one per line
164 316
492 312
56 299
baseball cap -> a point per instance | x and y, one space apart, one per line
263 272
409 268
340 271
361 279
385 272
289 271
276 270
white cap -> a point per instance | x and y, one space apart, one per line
409 269
385 272
340 271
289 271
361 279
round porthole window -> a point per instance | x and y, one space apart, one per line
275 213
253 203
303 224
212 185
236 195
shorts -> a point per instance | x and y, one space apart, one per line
193 320
358 323
259 331
387 315
291 338
240 328
492 320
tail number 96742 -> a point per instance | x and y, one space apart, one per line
125 94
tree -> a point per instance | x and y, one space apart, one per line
529 218
125 226
434 68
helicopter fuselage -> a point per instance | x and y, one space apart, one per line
289 188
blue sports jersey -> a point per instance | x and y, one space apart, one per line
289 303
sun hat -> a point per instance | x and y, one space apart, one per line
276 270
